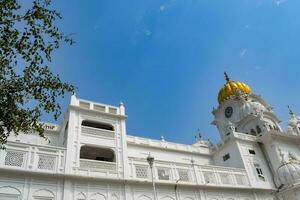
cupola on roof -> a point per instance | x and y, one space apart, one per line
230 88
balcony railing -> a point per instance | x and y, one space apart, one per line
98 165
97 132
193 174
34 158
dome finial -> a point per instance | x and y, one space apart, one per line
231 88
290 111
226 77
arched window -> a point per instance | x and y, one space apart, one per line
97 153
98 197
99 125
8 192
258 130
43 194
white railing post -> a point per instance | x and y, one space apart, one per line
174 173
197 174
234 182
35 159
133 170
133 173
217 176
2 157
30 157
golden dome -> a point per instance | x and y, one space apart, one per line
230 88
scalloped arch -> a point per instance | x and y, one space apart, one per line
98 196
144 197
167 198
188 198
81 196
114 197
10 190
44 193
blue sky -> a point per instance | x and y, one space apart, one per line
165 58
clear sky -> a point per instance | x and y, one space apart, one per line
165 58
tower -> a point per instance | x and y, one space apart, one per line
95 139
241 117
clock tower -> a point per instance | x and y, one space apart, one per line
242 118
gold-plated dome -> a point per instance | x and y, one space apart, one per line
230 88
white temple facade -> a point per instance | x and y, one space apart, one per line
90 156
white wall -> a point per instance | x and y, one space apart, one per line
235 159
30 188
168 155
258 158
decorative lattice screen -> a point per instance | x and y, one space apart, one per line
46 162
14 158
141 171
183 174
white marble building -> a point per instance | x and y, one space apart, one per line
90 156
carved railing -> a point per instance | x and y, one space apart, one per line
33 158
97 165
97 132
195 174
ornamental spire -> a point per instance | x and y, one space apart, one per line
226 77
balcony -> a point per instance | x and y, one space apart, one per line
193 174
19 156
